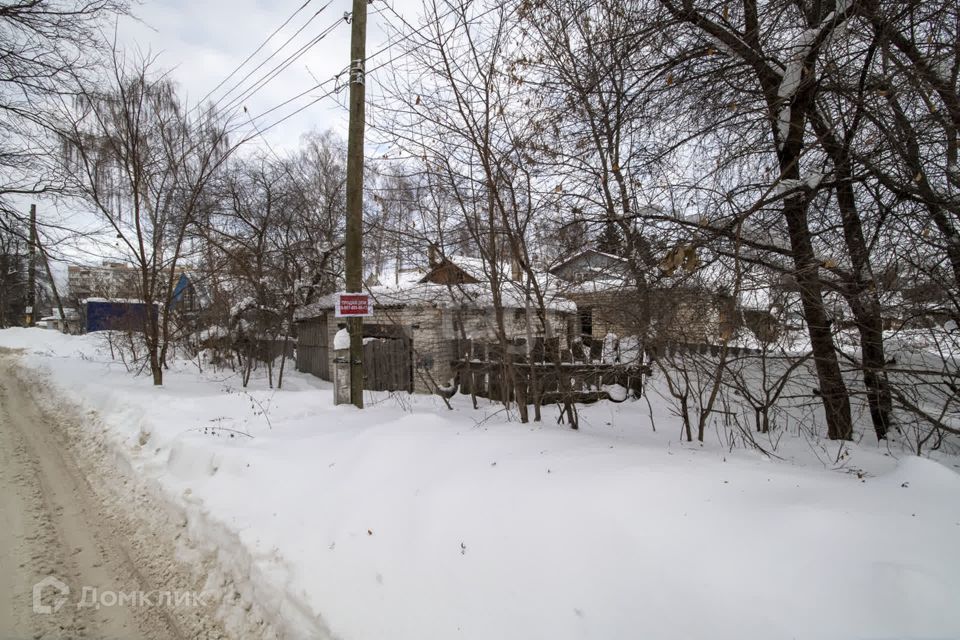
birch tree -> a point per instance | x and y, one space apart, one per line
140 159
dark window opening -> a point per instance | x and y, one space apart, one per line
586 321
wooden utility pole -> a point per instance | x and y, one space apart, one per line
32 270
53 286
358 55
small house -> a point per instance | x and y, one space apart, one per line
676 309
409 341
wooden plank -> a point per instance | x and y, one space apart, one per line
367 365
579 354
408 365
538 351
403 349
386 364
552 349
479 382
392 367
383 364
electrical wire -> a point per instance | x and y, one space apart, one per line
337 89
270 75
258 49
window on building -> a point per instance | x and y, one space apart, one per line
586 321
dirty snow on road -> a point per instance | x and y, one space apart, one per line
83 551
408 520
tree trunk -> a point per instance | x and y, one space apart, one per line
861 291
836 402
155 367
879 400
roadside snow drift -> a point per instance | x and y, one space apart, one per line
407 520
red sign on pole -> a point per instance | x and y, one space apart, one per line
353 305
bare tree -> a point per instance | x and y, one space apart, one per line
141 161
44 45
463 123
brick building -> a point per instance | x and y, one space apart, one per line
110 280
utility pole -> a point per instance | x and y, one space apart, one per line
53 286
32 270
358 55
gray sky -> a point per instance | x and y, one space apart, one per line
202 41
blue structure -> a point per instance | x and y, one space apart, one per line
182 285
120 315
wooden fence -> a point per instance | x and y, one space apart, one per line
679 348
535 377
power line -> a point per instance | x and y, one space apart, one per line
305 92
335 78
278 69
274 71
301 109
239 83
258 49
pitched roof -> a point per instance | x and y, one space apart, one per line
586 252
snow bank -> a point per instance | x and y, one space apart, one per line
407 520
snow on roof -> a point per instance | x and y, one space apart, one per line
412 291
475 267
757 298
113 300
596 285
479 269
399 279
55 314
428 294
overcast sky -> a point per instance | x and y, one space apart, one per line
203 41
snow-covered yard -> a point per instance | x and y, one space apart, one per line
407 520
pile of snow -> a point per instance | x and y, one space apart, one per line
341 340
407 520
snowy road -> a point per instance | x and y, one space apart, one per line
57 527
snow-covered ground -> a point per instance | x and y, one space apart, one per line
407 520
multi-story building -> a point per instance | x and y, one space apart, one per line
112 280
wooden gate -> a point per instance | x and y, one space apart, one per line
387 364
387 354
313 355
